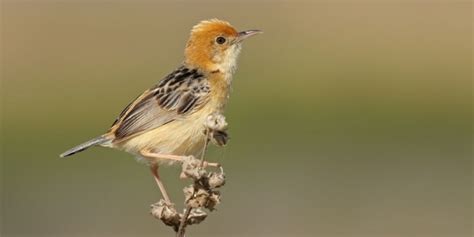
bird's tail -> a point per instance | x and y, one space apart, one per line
96 141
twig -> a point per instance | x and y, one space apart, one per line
203 193
206 142
182 225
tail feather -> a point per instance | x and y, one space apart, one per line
84 146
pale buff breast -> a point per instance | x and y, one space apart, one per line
180 137
183 137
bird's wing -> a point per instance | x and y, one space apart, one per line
179 94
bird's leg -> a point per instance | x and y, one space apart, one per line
149 154
154 170
174 158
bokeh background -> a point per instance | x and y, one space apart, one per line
347 118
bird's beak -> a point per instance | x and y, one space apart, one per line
245 34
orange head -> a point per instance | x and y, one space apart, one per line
214 45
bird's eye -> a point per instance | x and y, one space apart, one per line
220 40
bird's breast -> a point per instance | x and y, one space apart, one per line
220 84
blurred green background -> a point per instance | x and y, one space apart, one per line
347 118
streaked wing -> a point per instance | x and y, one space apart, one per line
179 94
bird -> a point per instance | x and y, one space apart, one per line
165 123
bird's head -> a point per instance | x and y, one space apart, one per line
214 45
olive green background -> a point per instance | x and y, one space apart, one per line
347 118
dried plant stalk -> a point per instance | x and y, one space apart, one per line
203 193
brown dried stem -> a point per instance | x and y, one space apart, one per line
203 192
182 225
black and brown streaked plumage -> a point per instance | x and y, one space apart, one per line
167 121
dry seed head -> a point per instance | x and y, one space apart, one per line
166 213
196 216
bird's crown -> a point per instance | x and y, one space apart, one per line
213 26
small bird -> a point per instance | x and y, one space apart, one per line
166 122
